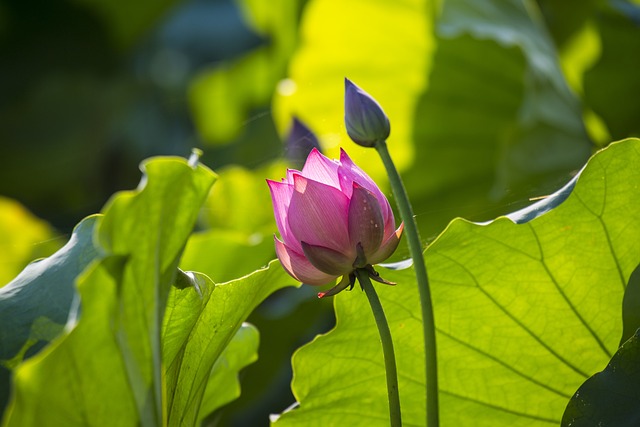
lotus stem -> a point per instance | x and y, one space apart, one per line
387 347
415 249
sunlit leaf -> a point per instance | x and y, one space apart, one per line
81 378
223 385
23 238
227 254
200 323
384 47
287 320
113 355
239 201
481 115
35 305
498 123
525 313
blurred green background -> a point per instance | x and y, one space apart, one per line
492 103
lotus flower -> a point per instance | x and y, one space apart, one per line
333 219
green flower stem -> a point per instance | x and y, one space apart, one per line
387 347
415 249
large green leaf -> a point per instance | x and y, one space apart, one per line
239 223
384 47
201 321
525 313
610 397
223 385
107 371
81 378
35 305
498 123
227 254
481 115
631 306
239 201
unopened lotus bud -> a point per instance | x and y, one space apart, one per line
364 118
300 141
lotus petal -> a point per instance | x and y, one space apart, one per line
299 267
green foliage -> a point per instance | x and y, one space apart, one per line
224 255
631 306
116 360
222 385
524 312
92 356
35 305
610 398
612 78
238 201
129 21
141 236
488 100
481 115
383 47
238 224
24 238
497 90
223 97
200 322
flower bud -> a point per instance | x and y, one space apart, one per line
333 219
364 118
300 141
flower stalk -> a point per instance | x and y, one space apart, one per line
415 249
388 353
368 126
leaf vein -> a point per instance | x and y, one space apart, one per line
518 321
500 408
505 365
566 299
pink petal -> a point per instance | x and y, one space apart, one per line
281 193
299 267
327 260
290 174
321 169
388 247
349 172
366 225
318 215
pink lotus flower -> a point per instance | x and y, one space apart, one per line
333 219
